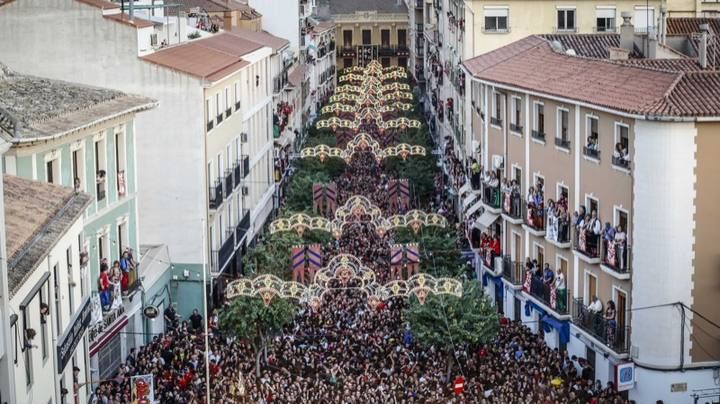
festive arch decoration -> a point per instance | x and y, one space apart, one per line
300 223
363 142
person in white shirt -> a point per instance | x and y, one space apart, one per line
596 305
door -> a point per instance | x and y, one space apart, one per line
540 256
347 38
385 38
620 312
402 37
517 248
517 308
592 288
366 36
499 297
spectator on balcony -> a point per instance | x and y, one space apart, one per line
592 144
535 208
620 244
552 221
563 221
621 154
595 306
104 285
76 185
608 233
610 314
548 275
561 290
475 171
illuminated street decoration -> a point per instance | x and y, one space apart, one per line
358 209
343 271
322 152
362 142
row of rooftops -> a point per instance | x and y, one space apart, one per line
578 67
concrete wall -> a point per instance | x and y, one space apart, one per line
283 24
89 49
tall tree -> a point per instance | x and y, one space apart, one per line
447 322
248 318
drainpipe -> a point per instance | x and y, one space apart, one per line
130 11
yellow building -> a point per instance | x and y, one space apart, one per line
492 24
371 30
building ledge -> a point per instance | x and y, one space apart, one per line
577 330
534 232
511 219
615 274
559 244
585 258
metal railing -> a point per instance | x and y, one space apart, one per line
607 331
516 128
245 165
559 231
512 205
616 255
538 135
210 125
496 121
491 196
534 216
587 243
621 162
237 173
216 194
554 298
242 227
228 182
513 271
564 143
594 153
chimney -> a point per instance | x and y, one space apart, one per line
702 47
627 32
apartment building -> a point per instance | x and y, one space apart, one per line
416 62
370 30
630 143
49 308
212 126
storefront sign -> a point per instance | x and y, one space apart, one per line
150 311
625 376
70 339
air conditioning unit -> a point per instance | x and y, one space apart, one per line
497 162
245 191
243 137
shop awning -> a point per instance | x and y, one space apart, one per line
486 219
562 327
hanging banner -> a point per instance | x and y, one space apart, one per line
314 259
142 389
318 194
404 190
331 196
297 263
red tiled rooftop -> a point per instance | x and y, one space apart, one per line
261 37
531 64
689 25
211 58
296 76
123 19
589 45
101 4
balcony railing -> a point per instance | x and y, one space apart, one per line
491 196
496 121
607 331
556 299
513 271
594 153
216 194
534 216
242 227
228 182
538 135
512 205
226 250
237 173
587 243
210 125
245 165
348 51
516 128
616 256
621 162
219 118
564 143
419 3
558 230
228 112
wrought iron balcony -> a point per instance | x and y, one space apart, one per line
616 256
513 271
552 297
512 205
245 165
593 153
534 217
216 194
242 227
564 143
587 244
621 162
615 336
228 186
237 173
538 135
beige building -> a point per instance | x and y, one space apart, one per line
371 30
630 143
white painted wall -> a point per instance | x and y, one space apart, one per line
663 193
651 386
281 18
67 40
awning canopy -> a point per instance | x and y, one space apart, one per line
562 327
468 201
486 219
474 208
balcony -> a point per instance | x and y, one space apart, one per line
237 106
621 163
348 51
109 319
403 50
228 112
210 125
225 252
280 82
491 198
592 153
538 135
242 227
586 246
495 121
513 271
512 208
245 161
228 182
550 296
616 259
216 194
557 232
237 173
534 218
613 335
516 128
419 4
219 118
562 143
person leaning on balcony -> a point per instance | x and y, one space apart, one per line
610 314
552 221
104 285
595 305
563 221
620 243
475 174
561 289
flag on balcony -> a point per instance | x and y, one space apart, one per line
553 296
297 263
582 240
412 257
611 254
314 259
506 202
404 190
528 281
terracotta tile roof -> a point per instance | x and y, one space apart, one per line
689 25
589 45
209 58
37 215
261 37
617 86
298 75
35 107
4 2
216 6
123 19
670 65
101 4
323 26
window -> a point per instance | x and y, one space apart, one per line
591 287
621 153
385 62
52 168
237 96
497 101
347 38
109 357
402 37
496 19
228 110
366 37
218 108
517 175
540 255
208 117
562 137
592 142
644 19
540 119
385 38
566 19
516 118
43 322
58 307
592 205
78 169
605 19
562 192
71 278
100 169
402 62
120 165
622 135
